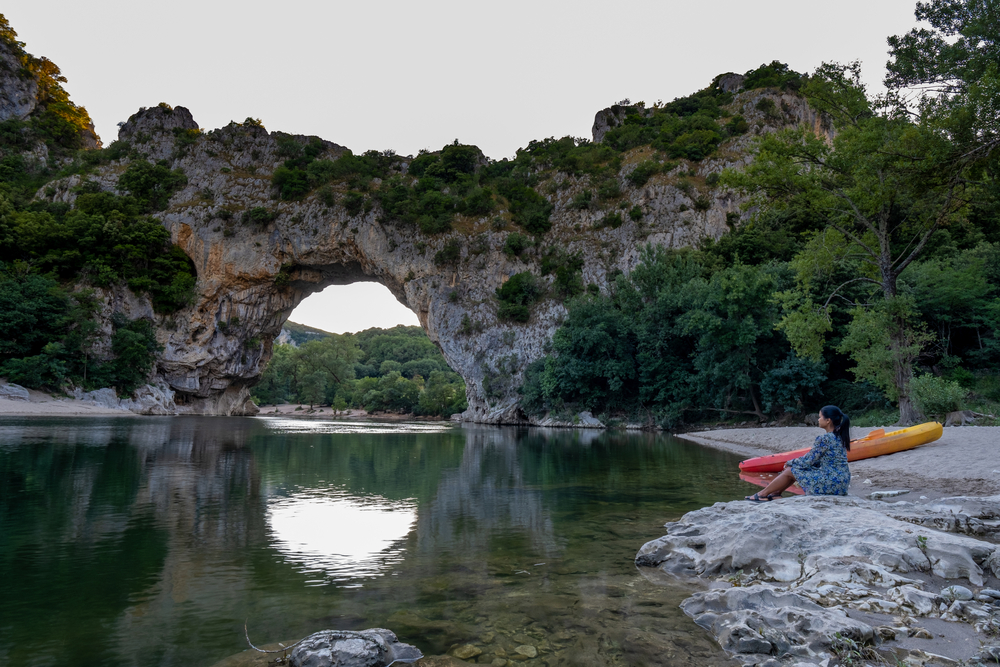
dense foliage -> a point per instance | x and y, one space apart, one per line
52 252
57 121
50 336
380 370
435 189
867 273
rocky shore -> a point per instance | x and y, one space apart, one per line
849 580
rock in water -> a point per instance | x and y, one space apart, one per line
376 647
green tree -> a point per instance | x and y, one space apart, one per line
954 68
33 313
883 183
732 316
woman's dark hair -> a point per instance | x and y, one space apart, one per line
841 424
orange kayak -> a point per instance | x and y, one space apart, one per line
876 443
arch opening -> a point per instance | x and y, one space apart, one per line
349 346
351 308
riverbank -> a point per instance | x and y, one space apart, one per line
17 401
964 461
39 404
784 579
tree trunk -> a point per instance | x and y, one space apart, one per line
902 374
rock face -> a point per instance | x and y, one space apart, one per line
13 392
797 565
252 275
336 648
18 93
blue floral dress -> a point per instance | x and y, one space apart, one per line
823 469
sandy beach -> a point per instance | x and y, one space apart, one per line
40 404
964 461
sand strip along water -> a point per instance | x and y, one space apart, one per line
964 461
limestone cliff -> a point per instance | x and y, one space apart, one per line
253 271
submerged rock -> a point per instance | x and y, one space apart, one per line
376 647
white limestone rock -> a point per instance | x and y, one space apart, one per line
148 399
956 593
921 603
798 563
766 621
823 539
376 647
103 398
13 392
251 277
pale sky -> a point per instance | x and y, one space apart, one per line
417 74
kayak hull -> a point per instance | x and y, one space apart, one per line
864 448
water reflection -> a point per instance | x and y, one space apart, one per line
339 537
318 426
149 541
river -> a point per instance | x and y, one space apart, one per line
150 541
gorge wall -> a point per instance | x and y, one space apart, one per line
252 274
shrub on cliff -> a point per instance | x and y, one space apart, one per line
774 75
517 295
643 172
152 184
567 268
449 254
516 243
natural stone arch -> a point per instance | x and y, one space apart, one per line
251 275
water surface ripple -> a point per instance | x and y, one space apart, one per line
149 541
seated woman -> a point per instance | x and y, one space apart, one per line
823 469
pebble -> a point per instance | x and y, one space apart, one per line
920 633
527 650
984 598
887 494
466 651
956 593
992 592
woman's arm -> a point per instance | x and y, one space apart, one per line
810 458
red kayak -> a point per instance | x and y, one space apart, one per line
876 443
762 479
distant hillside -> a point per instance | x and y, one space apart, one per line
381 370
296 334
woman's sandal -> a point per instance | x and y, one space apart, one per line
756 498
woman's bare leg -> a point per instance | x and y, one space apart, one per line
779 483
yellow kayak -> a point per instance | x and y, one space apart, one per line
876 443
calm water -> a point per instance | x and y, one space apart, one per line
149 541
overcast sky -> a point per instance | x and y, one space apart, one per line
419 74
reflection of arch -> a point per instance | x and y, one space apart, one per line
488 488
